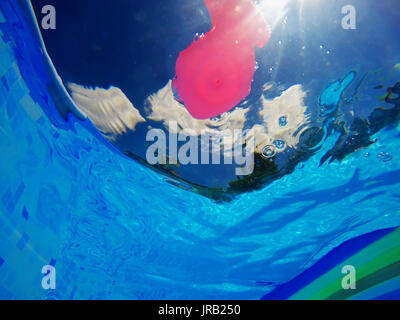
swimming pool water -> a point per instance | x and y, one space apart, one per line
115 229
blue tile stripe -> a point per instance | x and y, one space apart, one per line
25 213
23 241
19 192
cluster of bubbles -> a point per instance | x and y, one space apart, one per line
269 151
197 36
323 47
385 156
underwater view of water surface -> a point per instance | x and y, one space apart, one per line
108 192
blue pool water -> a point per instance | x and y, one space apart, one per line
114 229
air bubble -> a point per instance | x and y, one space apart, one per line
279 144
270 70
268 151
197 36
283 121
385 156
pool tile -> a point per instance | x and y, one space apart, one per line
23 241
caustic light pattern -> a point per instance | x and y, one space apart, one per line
215 73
